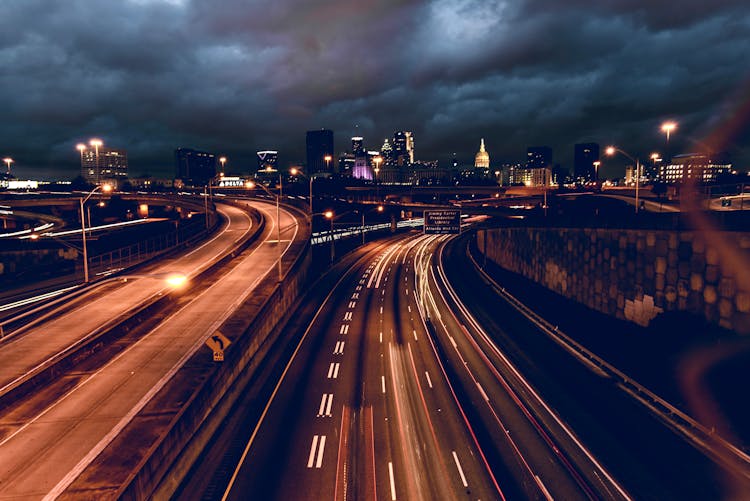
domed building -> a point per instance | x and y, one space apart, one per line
482 159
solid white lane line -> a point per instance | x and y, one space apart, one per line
382 383
393 482
311 458
429 381
328 406
322 447
336 371
460 470
481 390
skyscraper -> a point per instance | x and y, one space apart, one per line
538 157
267 160
403 148
194 167
358 146
319 146
585 154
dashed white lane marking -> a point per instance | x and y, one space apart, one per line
358 288
382 383
317 446
407 292
460 470
429 381
381 337
409 308
355 295
325 405
339 349
352 305
415 336
343 328
381 310
333 370
348 316
393 482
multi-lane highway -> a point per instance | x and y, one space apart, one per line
51 435
387 398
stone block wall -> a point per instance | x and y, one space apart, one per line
632 274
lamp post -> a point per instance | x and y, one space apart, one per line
597 163
106 188
329 214
252 185
378 159
8 161
379 209
668 128
96 143
295 171
222 161
611 150
328 159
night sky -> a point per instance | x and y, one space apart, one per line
235 76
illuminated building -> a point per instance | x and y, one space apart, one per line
104 164
319 145
482 158
699 167
585 154
358 146
194 167
387 153
267 160
403 148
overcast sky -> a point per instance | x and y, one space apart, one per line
235 76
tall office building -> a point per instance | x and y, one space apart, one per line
386 151
319 146
194 167
482 158
267 160
104 164
584 156
403 148
538 157
358 146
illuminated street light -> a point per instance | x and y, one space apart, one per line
668 128
378 160
329 215
328 159
252 185
8 161
105 188
597 163
222 160
611 150
96 143
295 171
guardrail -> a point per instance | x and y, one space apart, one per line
700 435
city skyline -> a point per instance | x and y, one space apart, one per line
243 78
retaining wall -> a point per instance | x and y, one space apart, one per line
633 274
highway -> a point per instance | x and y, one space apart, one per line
387 397
51 435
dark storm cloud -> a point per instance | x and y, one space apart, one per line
235 76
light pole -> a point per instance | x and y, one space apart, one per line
96 143
8 161
668 128
295 171
252 185
106 188
611 150
379 209
378 159
222 161
329 214
597 163
328 159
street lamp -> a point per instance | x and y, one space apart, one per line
597 163
379 209
327 159
295 171
668 128
329 215
222 160
611 150
96 143
8 161
105 188
251 185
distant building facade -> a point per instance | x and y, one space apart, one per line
584 156
267 160
319 145
194 167
697 167
538 157
403 148
104 164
